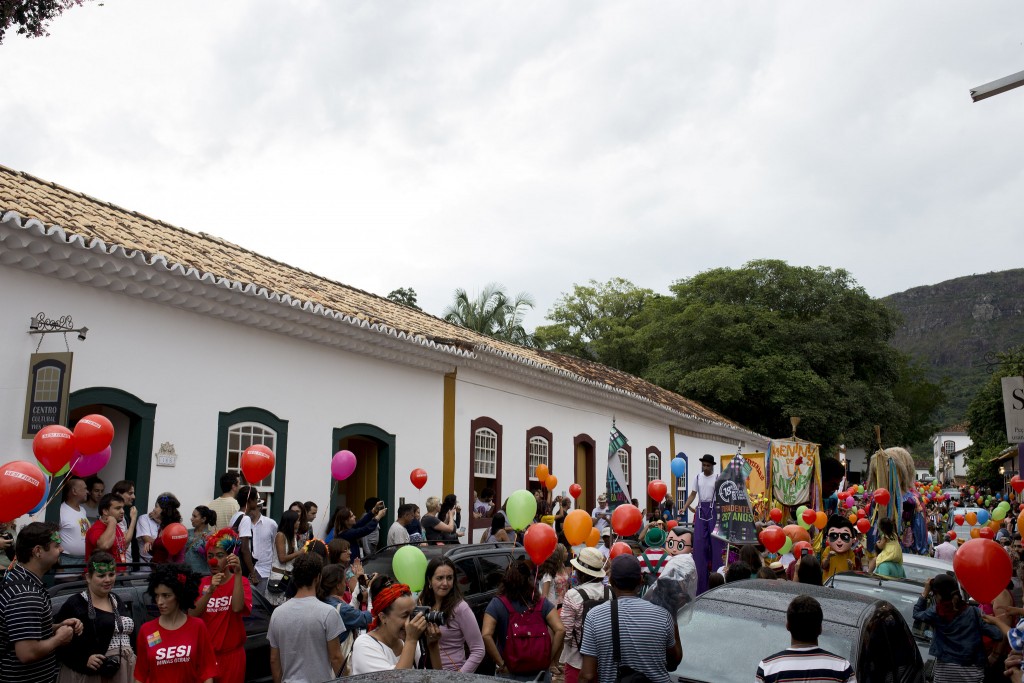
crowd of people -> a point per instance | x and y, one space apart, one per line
576 616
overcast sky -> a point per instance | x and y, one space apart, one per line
437 145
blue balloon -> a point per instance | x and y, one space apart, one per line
42 501
678 467
983 516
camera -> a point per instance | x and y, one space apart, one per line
430 615
110 667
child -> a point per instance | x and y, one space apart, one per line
890 554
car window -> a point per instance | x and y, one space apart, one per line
467 576
920 573
903 597
492 570
708 631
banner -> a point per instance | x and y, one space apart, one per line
1013 408
734 520
618 489
792 469
753 470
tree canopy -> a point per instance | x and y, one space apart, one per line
493 313
31 17
405 296
987 427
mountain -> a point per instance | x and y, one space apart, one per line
954 327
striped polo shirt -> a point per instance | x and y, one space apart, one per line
805 665
25 614
646 631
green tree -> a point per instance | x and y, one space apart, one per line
31 16
493 313
987 427
405 296
599 322
769 341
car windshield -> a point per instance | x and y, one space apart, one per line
709 632
921 573
902 596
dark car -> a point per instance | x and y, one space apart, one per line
130 589
726 631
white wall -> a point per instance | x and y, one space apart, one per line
961 440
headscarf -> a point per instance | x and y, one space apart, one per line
383 600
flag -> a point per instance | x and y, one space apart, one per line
618 490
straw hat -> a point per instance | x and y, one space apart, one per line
590 561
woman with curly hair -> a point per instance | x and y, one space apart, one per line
174 647
225 600
441 594
166 509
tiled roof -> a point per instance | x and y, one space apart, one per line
959 427
79 214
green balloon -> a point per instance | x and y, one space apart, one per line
999 514
410 567
1004 505
787 546
521 509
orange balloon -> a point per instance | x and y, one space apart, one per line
797 533
972 518
994 525
975 532
551 482
820 521
593 538
577 527
541 473
852 517
1020 524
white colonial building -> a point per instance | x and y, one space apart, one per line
948 449
197 347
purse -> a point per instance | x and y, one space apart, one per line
279 580
111 665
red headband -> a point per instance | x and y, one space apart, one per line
384 599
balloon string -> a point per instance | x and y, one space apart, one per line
62 483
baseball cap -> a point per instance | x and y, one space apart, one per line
625 571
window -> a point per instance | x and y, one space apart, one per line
47 385
653 467
240 437
485 453
245 427
949 447
538 455
624 459
538 452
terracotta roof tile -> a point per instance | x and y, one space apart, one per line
79 214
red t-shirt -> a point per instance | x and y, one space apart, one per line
227 630
119 550
183 655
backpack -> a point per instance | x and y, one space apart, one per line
650 577
527 641
588 604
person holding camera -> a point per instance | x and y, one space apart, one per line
453 616
104 651
392 641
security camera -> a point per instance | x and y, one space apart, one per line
82 332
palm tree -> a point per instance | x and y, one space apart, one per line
492 313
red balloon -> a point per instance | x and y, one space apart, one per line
93 433
809 516
986 532
627 519
772 538
53 447
863 525
671 524
1017 483
575 490
799 545
418 477
540 542
775 515
22 487
174 537
796 532
882 497
657 490
257 463
861 514
619 548
983 568
959 519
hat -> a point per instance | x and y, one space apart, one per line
654 538
607 531
589 561
625 571
603 498
708 458
776 566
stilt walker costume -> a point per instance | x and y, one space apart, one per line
707 551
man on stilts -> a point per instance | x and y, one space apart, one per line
707 551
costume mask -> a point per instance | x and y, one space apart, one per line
679 541
839 534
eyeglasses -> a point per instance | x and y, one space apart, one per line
833 536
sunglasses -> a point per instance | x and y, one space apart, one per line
833 536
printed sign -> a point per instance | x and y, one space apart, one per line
1013 407
753 470
46 400
734 520
792 469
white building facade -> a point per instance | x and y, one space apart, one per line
948 447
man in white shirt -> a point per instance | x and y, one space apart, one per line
147 529
398 534
707 551
947 549
601 514
605 546
74 524
240 522
257 532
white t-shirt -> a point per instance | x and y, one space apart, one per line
397 534
264 531
705 487
74 524
600 524
146 526
370 655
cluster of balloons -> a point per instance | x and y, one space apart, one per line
781 540
930 492
545 477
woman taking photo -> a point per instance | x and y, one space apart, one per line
344 526
286 549
450 502
460 631
104 651
391 642
174 647
204 522
225 599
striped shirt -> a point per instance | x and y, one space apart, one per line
805 665
646 631
25 614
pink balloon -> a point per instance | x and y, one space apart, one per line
850 501
343 465
88 465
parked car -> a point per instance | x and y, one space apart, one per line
920 568
963 531
952 494
130 589
728 630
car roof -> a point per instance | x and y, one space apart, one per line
926 561
766 594
868 578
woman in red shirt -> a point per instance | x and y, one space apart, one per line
174 647
225 600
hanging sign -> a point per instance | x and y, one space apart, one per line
734 520
46 399
1013 408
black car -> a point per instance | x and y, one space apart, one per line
130 589
726 631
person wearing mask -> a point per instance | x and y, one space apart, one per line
105 533
126 489
398 534
590 575
346 526
74 525
28 634
226 505
392 640
286 549
104 650
96 489
204 524
438 529
168 512
174 647
460 631
225 599
517 593
304 632
803 660
621 619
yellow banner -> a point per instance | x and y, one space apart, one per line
756 479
